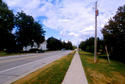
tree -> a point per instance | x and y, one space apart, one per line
82 45
7 39
114 35
74 47
28 31
54 44
38 33
67 46
88 45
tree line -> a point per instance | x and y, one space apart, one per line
88 45
27 30
113 37
55 44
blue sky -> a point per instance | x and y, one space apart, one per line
68 19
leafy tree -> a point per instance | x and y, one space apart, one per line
114 35
71 46
74 47
67 46
28 31
88 45
38 33
54 44
82 46
64 45
7 39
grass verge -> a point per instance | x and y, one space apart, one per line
2 54
51 74
102 72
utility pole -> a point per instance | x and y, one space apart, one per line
95 41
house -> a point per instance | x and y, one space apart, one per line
43 46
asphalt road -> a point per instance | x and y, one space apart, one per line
15 67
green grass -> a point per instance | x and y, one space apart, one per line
51 74
2 54
102 72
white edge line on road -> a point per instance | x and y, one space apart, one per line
21 65
16 78
21 76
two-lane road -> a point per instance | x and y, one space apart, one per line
14 67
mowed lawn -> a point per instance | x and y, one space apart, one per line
51 74
102 72
2 54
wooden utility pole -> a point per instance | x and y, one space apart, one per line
107 53
95 41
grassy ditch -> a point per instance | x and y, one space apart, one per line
102 72
51 74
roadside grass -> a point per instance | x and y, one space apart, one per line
2 54
51 74
102 72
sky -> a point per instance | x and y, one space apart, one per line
71 20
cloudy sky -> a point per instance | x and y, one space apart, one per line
68 19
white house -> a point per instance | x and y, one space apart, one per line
43 46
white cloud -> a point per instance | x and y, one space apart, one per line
73 34
74 18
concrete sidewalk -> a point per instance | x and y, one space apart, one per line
75 73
